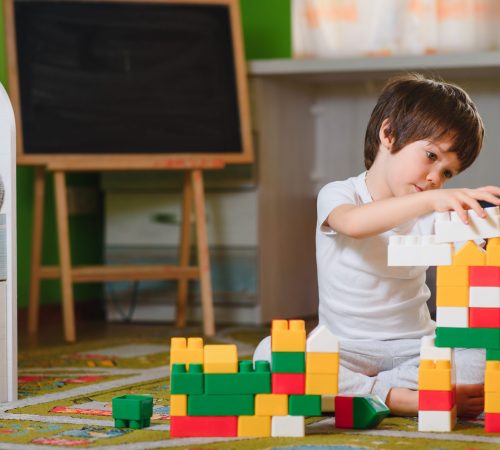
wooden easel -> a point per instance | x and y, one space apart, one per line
193 194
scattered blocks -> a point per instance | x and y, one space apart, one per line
132 411
360 412
418 251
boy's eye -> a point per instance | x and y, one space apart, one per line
432 156
447 174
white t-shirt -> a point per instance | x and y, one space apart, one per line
360 297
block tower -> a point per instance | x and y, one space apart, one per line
468 310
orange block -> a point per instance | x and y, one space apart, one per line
470 254
452 296
435 375
288 336
452 276
184 351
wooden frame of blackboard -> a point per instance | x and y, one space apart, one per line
142 161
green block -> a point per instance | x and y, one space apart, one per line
468 337
304 405
220 405
182 382
246 381
132 411
493 354
368 411
288 362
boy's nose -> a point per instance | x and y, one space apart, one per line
434 179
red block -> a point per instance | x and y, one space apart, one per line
484 317
436 400
203 426
289 383
344 412
484 276
492 422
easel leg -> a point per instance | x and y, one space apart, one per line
64 256
187 206
203 259
36 249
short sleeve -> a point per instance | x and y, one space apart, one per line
329 197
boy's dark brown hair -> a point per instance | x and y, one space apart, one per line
420 108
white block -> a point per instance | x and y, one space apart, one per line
418 251
287 426
452 316
437 420
328 403
449 227
484 296
429 351
322 340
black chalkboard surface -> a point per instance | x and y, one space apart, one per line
126 78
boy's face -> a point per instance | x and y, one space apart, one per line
420 166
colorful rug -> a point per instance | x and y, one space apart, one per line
65 398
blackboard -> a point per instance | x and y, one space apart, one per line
102 78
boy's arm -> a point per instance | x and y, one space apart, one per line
382 215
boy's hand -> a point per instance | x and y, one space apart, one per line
460 200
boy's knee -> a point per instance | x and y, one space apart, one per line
263 350
470 364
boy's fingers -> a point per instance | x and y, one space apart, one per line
474 204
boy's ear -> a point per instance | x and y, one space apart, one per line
385 135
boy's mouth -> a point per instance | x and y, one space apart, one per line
419 189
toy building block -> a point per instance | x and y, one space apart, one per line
452 316
182 382
254 426
271 405
470 254
452 296
220 359
493 354
288 426
452 276
428 350
288 362
493 252
484 296
322 340
288 336
328 403
435 375
288 383
359 412
492 422
492 376
322 383
484 317
322 362
437 420
221 405
132 411
304 405
178 405
187 352
187 426
468 337
492 402
246 381
484 276
418 251
436 400
450 228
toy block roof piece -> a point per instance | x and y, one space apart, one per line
470 254
322 340
493 252
449 227
418 251
359 412
220 359
429 351
186 351
288 336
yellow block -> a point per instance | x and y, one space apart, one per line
317 362
452 296
184 351
288 336
470 255
220 359
271 405
178 405
493 252
322 383
452 276
435 375
254 426
492 402
492 376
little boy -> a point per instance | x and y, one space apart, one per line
421 133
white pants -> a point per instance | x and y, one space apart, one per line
374 367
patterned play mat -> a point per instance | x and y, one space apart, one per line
65 402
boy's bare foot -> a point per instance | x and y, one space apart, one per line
469 400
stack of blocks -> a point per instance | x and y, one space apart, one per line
213 395
468 310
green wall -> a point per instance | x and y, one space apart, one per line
266 28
